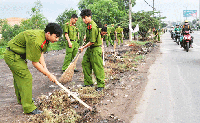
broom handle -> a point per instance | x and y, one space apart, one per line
76 56
68 91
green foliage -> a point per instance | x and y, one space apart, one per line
145 21
37 21
106 12
65 17
2 50
56 46
124 4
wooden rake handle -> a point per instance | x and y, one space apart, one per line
69 92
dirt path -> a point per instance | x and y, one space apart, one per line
120 102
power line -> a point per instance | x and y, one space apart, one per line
149 5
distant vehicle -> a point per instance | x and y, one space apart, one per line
187 39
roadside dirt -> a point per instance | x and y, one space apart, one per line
122 93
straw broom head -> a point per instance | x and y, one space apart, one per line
69 72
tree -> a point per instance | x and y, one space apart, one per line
123 4
37 21
65 17
146 22
106 12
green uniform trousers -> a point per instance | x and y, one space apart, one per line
112 37
108 39
119 38
157 36
92 60
22 80
70 54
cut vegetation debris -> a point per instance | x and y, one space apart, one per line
61 107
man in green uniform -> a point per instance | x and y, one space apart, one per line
31 45
119 34
107 36
70 34
92 59
112 33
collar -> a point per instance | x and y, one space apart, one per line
45 42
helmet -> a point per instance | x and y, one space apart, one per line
186 21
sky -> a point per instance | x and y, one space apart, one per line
172 9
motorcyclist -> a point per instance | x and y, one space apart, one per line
186 27
177 29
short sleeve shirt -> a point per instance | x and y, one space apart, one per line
108 31
93 34
70 30
119 30
30 43
112 29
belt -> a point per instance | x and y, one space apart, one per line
72 40
8 48
94 46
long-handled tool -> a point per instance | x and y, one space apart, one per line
114 48
103 59
69 92
69 72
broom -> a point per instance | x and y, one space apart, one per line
114 48
78 99
69 72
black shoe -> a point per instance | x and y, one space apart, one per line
36 111
99 88
75 70
88 85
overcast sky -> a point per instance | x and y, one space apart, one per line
172 9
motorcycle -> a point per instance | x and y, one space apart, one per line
187 40
177 37
172 34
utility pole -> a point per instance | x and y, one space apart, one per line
153 8
199 12
130 20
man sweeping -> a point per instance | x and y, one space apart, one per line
112 33
70 34
92 59
119 34
31 45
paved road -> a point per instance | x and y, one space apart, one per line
172 94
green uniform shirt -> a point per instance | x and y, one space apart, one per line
77 31
112 30
108 31
71 31
29 43
119 30
93 34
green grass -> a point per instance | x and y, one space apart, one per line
139 57
140 42
56 46
2 50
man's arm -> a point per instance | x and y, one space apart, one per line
87 45
41 61
102 45
69 42
41 66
